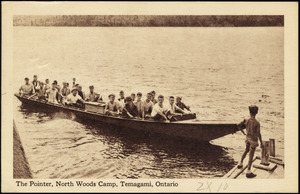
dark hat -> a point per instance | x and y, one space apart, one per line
121 91
133 94
153 92
160 96
35 76
55 81
253 109
26 78
128 98
111 95
91 86
179 97
139 94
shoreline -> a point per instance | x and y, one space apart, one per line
21 168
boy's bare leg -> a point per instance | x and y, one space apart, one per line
251 155
244 155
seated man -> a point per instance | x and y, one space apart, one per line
93 96
56 85
139 104
122 97
112 107
174 110
74 99
47 85
65 91
35 83
80 92
52 93
147 107
153 97
130 110
160 110
27 89
173 107
42 92
181 104
133 97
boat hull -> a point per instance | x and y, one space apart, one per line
199 131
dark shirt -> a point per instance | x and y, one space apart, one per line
131 110
80 93
182 106
35 84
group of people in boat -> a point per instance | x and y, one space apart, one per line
130 107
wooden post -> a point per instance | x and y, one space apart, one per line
272 147
265 153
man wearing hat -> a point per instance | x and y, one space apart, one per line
74 99
253 135
181 104
93 96
26 89
130 110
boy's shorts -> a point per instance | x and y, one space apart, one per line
252 144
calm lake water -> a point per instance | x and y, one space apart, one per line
218 71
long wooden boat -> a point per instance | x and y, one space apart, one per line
191 129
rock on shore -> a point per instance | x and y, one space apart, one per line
21 166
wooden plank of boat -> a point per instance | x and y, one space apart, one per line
201 131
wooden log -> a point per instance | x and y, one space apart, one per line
271 167
265 153
274 160
272 147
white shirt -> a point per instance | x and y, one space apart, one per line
73 99
52 95
172 108
156 108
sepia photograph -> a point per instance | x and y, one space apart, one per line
106 100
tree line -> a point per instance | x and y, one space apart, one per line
149 20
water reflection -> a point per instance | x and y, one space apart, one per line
141 154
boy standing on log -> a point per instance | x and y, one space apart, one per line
253 134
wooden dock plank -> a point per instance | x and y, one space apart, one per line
277 172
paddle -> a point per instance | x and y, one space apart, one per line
32 95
